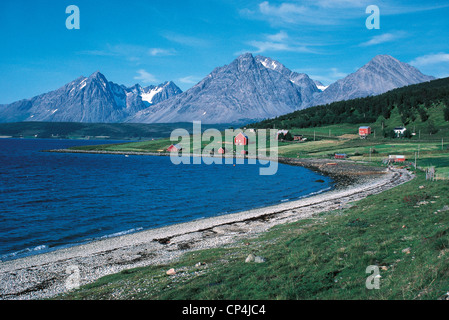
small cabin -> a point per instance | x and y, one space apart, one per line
243 152
298 137
364 131
241 140
222 151
174 148
340 156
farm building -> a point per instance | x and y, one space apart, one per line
396 158
241 140
399 131
222 151
284 132
340 156
174 148
364 131
244 152
299 137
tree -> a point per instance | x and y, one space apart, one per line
431 128
423 114
288 136
446 110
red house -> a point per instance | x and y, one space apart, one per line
241 140
244 152
222 151
364 131
174 148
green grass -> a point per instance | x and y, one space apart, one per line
320 258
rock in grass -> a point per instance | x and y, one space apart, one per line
171 272
259 259
406 250
250 258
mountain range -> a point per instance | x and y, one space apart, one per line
88 100
249 88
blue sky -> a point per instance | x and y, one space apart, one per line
152 41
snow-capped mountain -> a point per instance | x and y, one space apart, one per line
383 73
320 86
154 94
92 99
248 88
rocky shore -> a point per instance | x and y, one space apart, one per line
46 275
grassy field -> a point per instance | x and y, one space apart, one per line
429 151
405 232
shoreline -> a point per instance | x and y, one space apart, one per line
44 275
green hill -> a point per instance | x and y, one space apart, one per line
423 107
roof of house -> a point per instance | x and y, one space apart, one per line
365 127
241 133
177 146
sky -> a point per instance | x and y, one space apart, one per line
153 41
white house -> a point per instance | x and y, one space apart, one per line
399 131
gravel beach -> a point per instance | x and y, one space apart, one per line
45 275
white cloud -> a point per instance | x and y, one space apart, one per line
134 53
157 52
328 76
279 37
327 12
383 38
308 12
186 40
430 59
277 42
145 77
190 80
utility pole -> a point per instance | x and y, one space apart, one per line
313 135
442 144
415 160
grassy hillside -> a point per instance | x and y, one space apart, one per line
405 232
411 104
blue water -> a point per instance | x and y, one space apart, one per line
54 200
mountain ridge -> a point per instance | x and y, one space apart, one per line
248 88
91 99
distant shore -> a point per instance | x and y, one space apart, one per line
44 275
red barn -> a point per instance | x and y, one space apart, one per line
396 158
241 140
340 156
174 148
244 152
364 131
222 151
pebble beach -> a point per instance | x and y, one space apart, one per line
45 275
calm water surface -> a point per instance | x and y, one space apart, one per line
53 200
